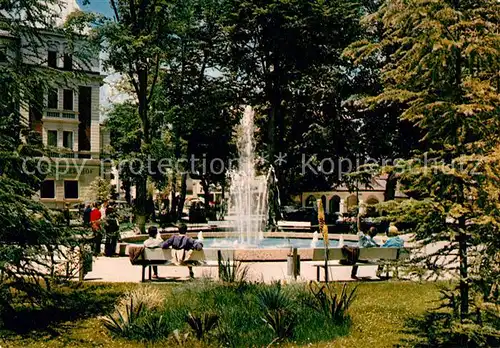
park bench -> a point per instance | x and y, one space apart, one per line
294 225
367 257
163 257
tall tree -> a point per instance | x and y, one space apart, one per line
287 55
125 130
195 95
30 233
135 42
443 66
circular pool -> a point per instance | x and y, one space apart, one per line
267 243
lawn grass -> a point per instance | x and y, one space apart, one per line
379 315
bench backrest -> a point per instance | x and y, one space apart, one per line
294 224
364 254
158 254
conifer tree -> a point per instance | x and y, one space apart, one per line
440 64
30 235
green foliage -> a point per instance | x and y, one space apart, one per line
274 298
237 325
439 64
123 324
202 324
64 303
278 312
287 57
99 190
325 299
231 271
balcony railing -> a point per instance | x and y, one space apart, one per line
61 114
66 153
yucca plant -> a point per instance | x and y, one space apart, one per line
202 324
152 327
326 300
278 311
282 322
232 271
122 325
273 297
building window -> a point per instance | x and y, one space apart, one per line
68 140
48 189
3 54
52 59
53 99
52 138
71 189
68 99
68 61
36 107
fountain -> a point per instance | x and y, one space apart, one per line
315 239
248 202
252 206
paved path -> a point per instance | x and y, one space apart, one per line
119 269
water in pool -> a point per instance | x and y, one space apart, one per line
266 243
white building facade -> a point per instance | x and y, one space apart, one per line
66 115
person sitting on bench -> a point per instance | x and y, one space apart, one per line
182 246
154 241
394 241
366 240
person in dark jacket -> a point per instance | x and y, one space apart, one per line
181 242
112 228
86 215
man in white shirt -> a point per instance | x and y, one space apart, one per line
154 241
104 206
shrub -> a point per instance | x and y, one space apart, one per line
123 324
202 324
151 327
232 271
137 323
277 312
149 296
326 300
273 297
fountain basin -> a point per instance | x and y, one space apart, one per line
275 247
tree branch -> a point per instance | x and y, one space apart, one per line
155 77
115 10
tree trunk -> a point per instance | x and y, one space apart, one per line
141 183
206 194
140 203
126 187
173 201
464 272
390 187
182 196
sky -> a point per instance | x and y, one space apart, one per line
100 6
